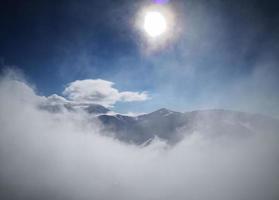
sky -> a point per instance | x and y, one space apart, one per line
220 54
215 54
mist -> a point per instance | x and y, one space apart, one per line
220 55
65 156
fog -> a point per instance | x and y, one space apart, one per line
65 156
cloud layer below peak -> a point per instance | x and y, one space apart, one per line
66 156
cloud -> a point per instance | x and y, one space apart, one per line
56 99
100 92
65 156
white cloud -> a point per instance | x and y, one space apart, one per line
101 92
56 99
64 156
134 96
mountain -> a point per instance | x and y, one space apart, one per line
162 123
94 109
172 126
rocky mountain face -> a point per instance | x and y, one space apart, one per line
162 123
172 126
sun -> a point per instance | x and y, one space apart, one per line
157 27
155 23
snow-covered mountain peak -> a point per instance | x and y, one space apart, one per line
163 112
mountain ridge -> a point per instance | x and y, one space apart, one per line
172 126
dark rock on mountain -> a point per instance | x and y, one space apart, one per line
96 109
71 107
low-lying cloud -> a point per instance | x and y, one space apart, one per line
64 156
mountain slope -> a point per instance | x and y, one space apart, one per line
172 126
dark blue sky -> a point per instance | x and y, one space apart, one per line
226 54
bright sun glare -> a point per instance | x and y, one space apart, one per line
154 23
